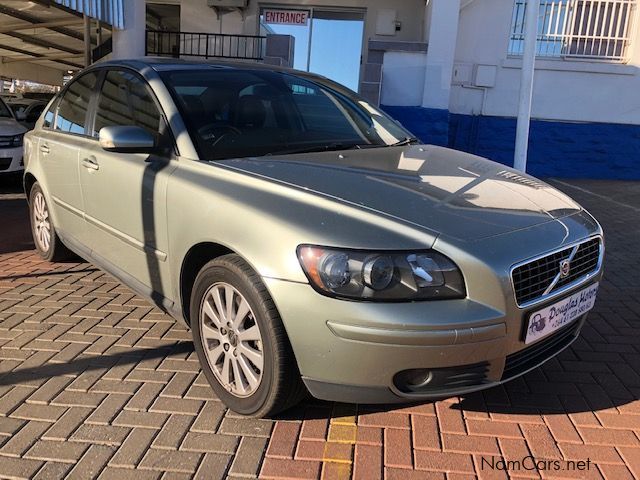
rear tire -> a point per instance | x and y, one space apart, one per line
241 342
48 244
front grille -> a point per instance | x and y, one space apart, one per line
5 163
532 279
6 142
528 358
585 262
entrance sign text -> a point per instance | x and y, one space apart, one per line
286 17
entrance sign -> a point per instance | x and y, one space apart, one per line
286 17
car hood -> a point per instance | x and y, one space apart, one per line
441 190
9 126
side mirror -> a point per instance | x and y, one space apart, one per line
127 139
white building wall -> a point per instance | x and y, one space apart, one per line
567 90
196 16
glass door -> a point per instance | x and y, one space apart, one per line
336 46
328 41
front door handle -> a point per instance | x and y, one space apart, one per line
91 163
45 149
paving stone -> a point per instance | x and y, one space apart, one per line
207 442
249 456
92 462
108 409
173 432
284 438
19 467
22 440
397 451
282 468
209 417
170 405
56 451
178 385
9 426
13 399
144 397
49 390
170 461
100 434
214 466
78 399
133 448
140 419
47 413
67 424
368 462
53 471
111 473
246 426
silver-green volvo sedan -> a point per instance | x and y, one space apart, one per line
309 242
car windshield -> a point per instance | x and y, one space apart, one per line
16 107
4 110
235 113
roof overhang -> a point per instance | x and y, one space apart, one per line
50 33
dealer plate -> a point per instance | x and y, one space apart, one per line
555 316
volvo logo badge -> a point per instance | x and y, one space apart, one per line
565 268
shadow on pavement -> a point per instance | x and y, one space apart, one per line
48 274
89 363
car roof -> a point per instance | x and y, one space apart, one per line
165 63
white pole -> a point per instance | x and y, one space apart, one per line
526 84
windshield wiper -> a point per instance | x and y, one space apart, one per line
318 148
406 141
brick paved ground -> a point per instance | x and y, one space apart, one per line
96 383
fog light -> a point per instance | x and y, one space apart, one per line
412 380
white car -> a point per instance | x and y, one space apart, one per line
26 110
11 141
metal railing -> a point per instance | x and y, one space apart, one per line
204 45
586 29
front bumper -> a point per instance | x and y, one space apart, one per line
11 160
355 359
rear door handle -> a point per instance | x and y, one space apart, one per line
91 163
45 149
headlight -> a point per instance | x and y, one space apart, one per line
17 140
381 276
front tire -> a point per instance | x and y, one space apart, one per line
47 241
240 340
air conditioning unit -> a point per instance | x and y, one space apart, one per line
228 3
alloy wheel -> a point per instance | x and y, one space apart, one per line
232 340
41 222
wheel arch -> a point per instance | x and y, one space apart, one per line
28 182
196 258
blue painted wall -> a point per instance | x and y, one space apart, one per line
428 124
556 149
